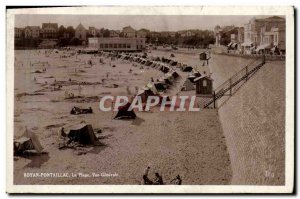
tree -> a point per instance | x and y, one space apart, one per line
106 33
71 31
61 31
74 41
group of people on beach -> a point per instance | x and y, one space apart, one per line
158 180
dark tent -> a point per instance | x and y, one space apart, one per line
124 113
157 59
160 86
83 134
168 81
187 69
164 69
28 141
175 74
174 63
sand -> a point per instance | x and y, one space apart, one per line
190 144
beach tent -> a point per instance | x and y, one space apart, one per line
157 59
160 86
124 113
164 69
175 74
83 134
153 64
188 85
28 141
174 63
144 93
187 69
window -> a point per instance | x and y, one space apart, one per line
124 45
101 45
115 45
106 45
120 45
128 46
110 45
204 83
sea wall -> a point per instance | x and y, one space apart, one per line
253 122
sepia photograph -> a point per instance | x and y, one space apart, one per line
184 99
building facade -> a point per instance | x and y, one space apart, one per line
228 35
128 31
80 32
117 44
114 33
49 30
32 32
265 33
19 33
93 31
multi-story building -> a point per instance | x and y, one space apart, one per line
32 32
49 30
128 31
19 32
93 31
264 34
227 35
117 44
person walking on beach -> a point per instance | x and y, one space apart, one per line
146 180
147 171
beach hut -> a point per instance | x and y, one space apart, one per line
204 85
83 134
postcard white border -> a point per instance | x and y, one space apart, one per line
288 11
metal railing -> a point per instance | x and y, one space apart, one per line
230 86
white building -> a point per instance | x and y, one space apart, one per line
117 43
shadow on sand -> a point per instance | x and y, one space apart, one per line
138 121
36 160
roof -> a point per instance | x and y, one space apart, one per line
276 18
32 27
128 28
203 77
49 25
80 26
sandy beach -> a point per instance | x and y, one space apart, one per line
190 144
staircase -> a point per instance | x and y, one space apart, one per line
234 82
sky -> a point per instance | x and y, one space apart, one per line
151 22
